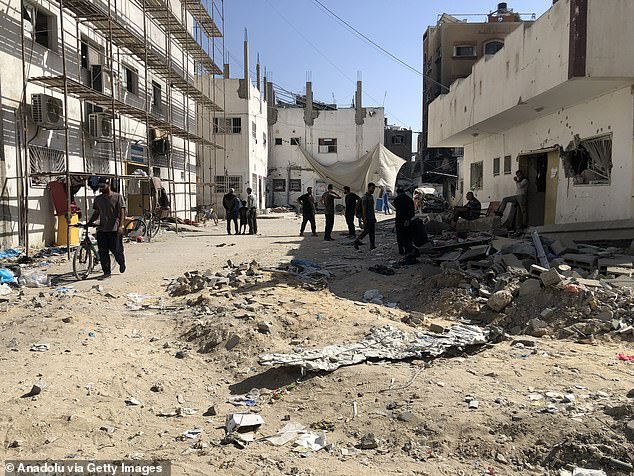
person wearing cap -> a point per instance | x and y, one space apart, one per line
109 207
405 211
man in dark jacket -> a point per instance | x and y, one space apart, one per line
231 210
307 202
368 217
351 200
328 201
405 211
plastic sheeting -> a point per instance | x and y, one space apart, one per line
379 166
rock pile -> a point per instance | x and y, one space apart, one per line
232 275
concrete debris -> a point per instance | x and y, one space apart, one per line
234 275
382 343
499 300
368 442
240 428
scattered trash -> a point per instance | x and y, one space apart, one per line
625 357
35 390
382 343
588 472
10 253
240 428
368 442
33 278
192 434
7 276
131 401
39 347
289 432
382 269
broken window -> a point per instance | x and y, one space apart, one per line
496 166
589 161
476 175
327 146
294 140
40 26
279 185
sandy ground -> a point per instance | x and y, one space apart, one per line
106 348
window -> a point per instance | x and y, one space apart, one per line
279 185
227 125
589 161
294 140
157 100
131 80
226 182
476 176
40 26
254 131
156 171
183 176
397 140
278 141
507 165
84 54
496 166
493 47
327 146
264 138
468 51
295 185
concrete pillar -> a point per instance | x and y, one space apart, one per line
244 91
308 107
257 73
226 71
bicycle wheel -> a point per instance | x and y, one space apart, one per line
134 228
154 227
82 262
214 217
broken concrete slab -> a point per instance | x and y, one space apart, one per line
563 245
551 277
499 300
514 265
579 260
530 287
383 343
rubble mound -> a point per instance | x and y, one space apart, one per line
232 275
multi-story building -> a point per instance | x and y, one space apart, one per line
557 103
398 140
243 132
326 132
450 49
99 88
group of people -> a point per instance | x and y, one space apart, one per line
472 209
245 210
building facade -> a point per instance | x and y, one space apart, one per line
450 49
557 103
327 133
92 88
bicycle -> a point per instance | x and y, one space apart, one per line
204 213
86 256
148 224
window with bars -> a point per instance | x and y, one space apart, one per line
227 125
295 185
279 185
507 165
226 182
327 146
45 160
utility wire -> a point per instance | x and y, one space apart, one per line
351 28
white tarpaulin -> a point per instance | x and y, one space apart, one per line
379 166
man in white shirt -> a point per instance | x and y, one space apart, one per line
520 199
252 206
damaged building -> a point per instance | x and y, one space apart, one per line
557 103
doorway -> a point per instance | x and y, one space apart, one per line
541 169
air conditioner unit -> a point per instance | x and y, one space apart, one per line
47 111
100 127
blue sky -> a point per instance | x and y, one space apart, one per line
294 37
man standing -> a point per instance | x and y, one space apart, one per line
368 217
351 200
386 201
405 211
252 210
231 210
328 201
307 202
109 208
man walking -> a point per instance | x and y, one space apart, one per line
109 208
405 211
231 210
307 202
351 200
328 201
368 217
252 211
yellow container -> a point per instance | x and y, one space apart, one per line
62 226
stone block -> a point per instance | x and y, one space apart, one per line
551 277
563 245
530 287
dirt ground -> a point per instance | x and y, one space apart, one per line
542 408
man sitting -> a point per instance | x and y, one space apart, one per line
470 211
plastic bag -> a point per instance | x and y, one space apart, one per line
6 276
33 278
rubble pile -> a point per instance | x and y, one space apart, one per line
233 275
534 286
310 275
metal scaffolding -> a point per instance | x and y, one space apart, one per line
194 31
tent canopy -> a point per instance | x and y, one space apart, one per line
379 166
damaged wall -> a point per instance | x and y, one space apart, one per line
610 113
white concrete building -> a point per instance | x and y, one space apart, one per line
556 102
133 101
242 131
328 133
